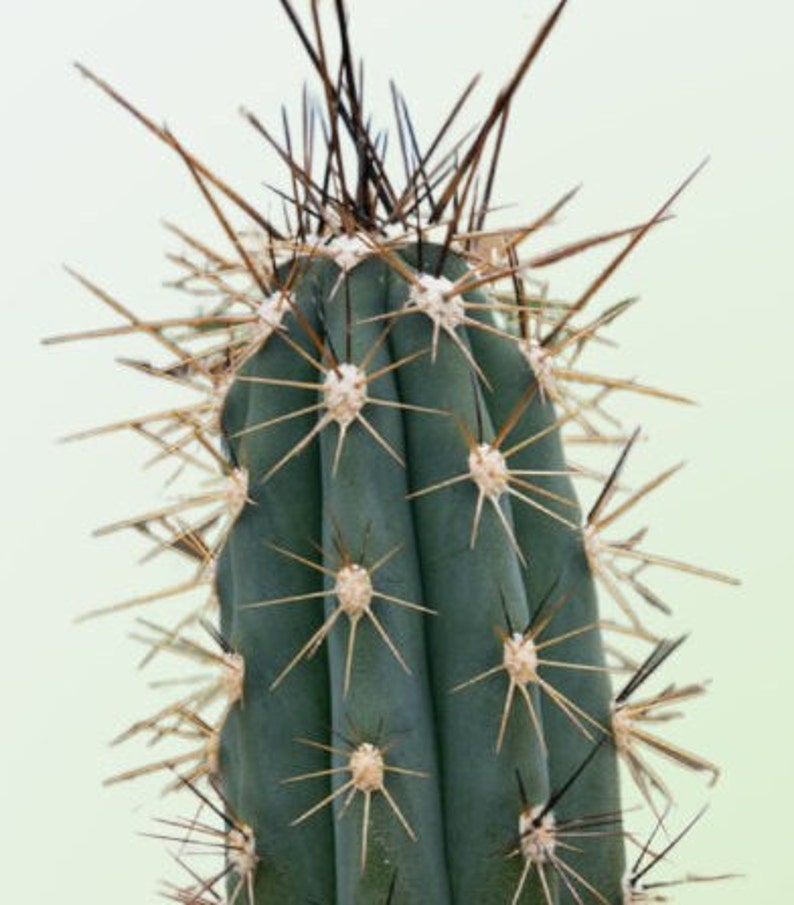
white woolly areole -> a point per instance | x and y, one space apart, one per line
538 840
540 359
367 768
217 398
210 575
436 297
622 725
241 846
345 390
593 545
520 658
237 490
271 311
353 589
347 251
233 677
488 470
212 752
631 896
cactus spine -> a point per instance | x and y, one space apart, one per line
412 700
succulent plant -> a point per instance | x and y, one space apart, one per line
412 694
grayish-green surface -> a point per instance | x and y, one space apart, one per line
405 686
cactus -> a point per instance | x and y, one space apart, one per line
412 694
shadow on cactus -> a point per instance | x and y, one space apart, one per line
409 691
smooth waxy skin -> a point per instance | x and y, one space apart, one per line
259 747
558 570
451 825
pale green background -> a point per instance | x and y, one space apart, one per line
628 97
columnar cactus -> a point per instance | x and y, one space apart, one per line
410 697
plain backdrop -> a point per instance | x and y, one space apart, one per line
629 95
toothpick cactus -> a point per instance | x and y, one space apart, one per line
409 696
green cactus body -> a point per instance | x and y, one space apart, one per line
414 704
399 669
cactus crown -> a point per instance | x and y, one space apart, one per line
408 696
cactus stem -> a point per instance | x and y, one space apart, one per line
441 301
521 662
540 839
368 769
489 471
355 594
417 262
344 388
